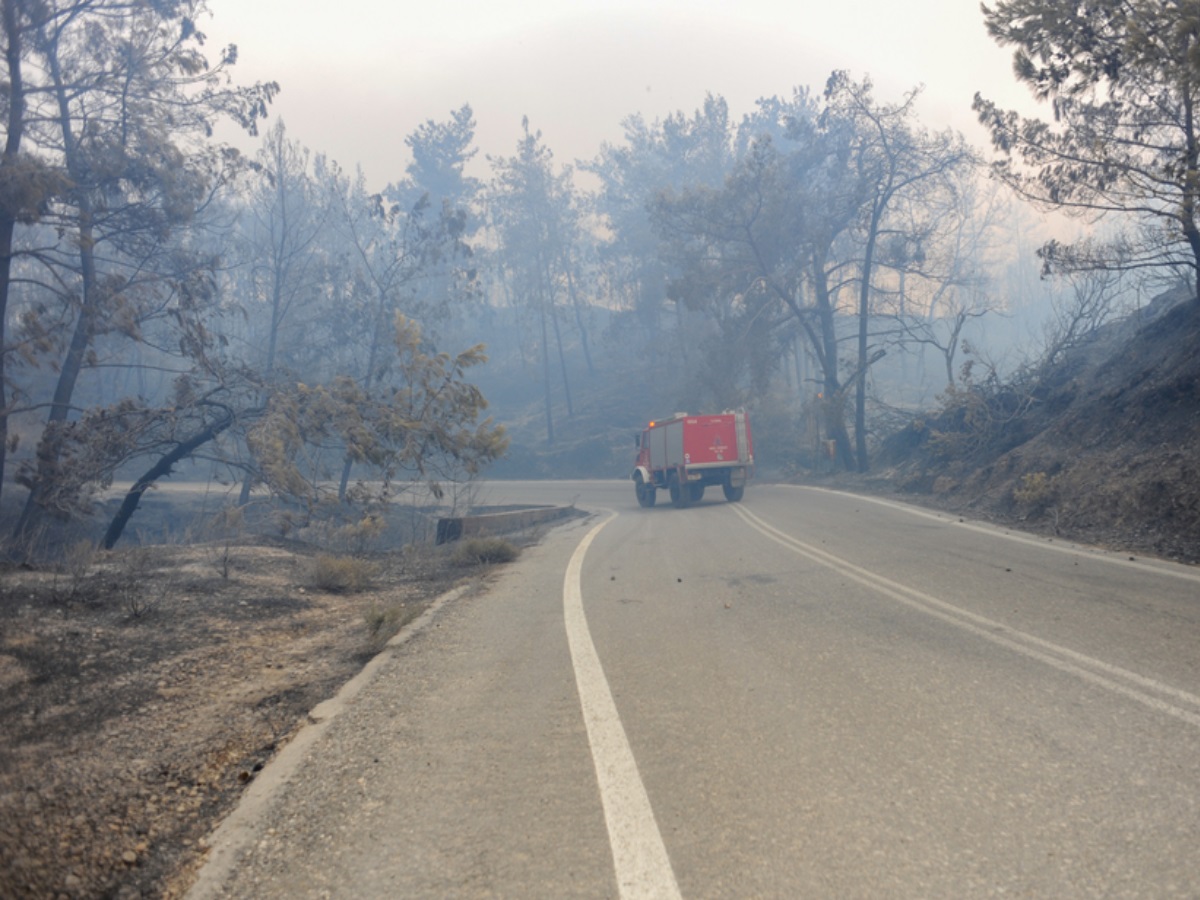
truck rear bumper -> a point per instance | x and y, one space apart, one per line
720 473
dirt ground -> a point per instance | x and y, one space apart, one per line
142 689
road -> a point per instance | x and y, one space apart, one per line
806 694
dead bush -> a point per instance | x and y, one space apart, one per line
73 577
484 551
359 535
1036 491
383 620
139 592
341 574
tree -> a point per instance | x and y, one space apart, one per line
127 110
412 261
775 233
945 282
436 189
285 217
535 215
440 154
26 181
735 249
675 153
421 422
890 158
1123 80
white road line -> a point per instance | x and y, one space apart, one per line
1155 567
639 856
1113 678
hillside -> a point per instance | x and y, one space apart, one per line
1103 447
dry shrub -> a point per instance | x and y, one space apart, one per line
484 551
73 580
358 535
383 620
1037 490
341 574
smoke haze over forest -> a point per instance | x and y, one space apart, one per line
354 86
784 210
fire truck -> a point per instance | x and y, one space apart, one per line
685 454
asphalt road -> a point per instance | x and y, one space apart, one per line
805 694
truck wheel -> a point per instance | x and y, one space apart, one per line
646 493
733 494
696 492
679 493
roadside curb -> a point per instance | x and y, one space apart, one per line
235 834
453 528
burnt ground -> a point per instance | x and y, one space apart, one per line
142 689
1102 447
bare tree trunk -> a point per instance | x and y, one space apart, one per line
269 368
160 469
60 405
1190 230
562 361
8 216
834 402
579 323
864 320
72 364
546 376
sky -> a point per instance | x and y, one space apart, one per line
358 76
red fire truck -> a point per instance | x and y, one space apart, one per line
685 454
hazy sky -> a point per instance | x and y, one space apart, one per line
359 75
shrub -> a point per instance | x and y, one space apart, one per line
1037 490
484 551
341 574
357 535
384 620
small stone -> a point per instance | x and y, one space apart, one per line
129 857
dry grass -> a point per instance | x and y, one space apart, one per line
484 551
342 574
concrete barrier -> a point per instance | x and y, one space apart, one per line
456 527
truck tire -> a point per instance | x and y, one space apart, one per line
733 494
696 493
646 493
679 493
